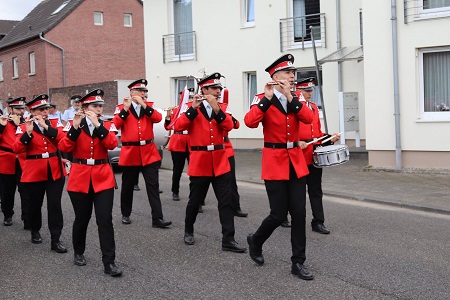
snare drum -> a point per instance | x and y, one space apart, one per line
161 134
330 156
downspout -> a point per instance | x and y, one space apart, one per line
63 57
398 148
338 42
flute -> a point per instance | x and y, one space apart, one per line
276 83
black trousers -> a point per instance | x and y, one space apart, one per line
82 205
178 160
314 183
199 186
235 198
286 196
53 189
9 183
130 176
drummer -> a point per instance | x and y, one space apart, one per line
307 133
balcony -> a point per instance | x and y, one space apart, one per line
295 33
179 47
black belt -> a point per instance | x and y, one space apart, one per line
6 149
287 145
43 155
207 148
140 143
91 162
181 132
226 139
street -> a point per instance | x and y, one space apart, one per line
373 252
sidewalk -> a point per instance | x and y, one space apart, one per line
353 180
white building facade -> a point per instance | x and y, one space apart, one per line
240 38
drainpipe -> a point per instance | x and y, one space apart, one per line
63 57
338 42
398 148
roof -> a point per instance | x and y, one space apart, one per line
6 26
40 19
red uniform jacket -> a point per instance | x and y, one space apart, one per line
179 141
279 127
226 140
205 131
84 146
309 132
137 129
7 154
34 170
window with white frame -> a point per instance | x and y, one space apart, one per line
128 20
433 8
436 4
248 13
250 87
182 28
434 68
32 64
179 85
98 18
15 63
1 71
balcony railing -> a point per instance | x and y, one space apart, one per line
295 33
179 46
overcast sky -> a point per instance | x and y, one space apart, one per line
16 9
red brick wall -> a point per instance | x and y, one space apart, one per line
25 85
98 53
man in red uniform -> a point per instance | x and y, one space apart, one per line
10 169
283 165
307 133
135 117
91 180
43 172
207 122
178 147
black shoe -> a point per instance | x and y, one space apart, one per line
126 220
160 191
175 197
161 223
233 247
255 252
320 228
7 221
200 209
136 187
302 272
79 260
240 213
286 224
58 247
189 238
36 237
112 270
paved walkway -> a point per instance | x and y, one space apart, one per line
354 180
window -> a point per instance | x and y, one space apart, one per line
98 18
434 85
32 64
15 67
434 4
248 13
432 9
179 84
1 71
127 20
60 7
250 86
182 17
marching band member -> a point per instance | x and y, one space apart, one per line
283 165
91 180
307 133
10 166
206 122
135 117
178 147
43 172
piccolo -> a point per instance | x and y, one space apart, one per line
276 83
170 108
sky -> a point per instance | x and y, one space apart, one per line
16 9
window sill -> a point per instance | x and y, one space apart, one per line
249 25
31 74
15 78
434 120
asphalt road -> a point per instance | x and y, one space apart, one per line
373 252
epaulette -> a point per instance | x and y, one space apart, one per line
257 98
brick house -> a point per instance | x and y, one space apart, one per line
65 47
